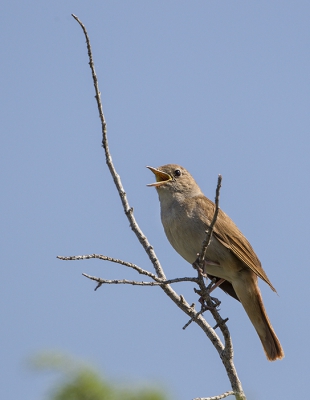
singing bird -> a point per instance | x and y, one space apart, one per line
186 215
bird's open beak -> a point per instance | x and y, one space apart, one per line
161 177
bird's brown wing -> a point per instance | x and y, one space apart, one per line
229 235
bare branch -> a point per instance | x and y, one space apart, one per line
220 322
227 354
127 264
221 396
117 180
114 260
209 232
193 318
125 281
160 279
119 281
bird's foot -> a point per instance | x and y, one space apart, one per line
215 303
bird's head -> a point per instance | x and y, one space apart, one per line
174 180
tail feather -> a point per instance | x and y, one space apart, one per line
249 294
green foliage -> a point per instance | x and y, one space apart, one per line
83 385
82 382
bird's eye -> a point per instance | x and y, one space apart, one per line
177 172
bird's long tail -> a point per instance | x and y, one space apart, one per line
251 299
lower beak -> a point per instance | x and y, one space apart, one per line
161 177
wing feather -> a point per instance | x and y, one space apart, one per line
227 232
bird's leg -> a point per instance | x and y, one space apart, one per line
212 286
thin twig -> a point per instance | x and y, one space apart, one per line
120 281
209 232
114 260
224 322
221 396
193 318
125 281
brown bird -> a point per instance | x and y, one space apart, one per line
186 215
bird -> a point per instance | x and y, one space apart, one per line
186 214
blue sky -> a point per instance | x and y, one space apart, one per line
218 87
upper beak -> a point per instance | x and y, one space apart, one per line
161 177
